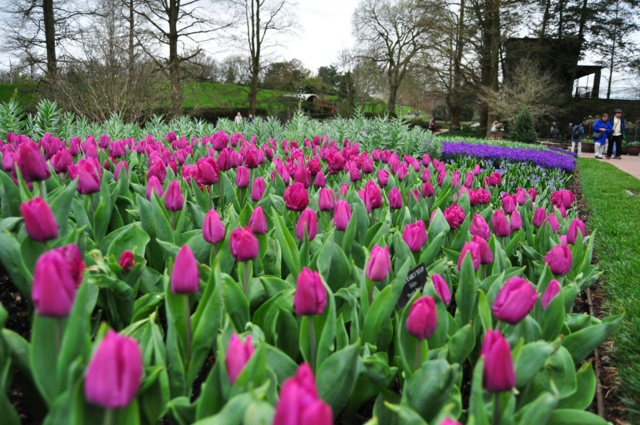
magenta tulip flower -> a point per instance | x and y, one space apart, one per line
311 296
500 224
89 175
480 227
423 318
441 287
539 216
326 200
486 256
213 231
114 372
154 185
258 222
299 403
572 233
243 175
473 249
257 190
383 178
395 199
39 221
308 220
238 354
342 215
454 215
415 235
515 223
174 200
550 293
55 282
185 277
514 301
379 264
498 372
508 203
127 260
32 163
559 259
243 245
296 197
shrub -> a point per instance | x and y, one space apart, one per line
523 129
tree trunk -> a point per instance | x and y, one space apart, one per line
545 19
393 94
131 43
254 48
560 19
583 21
50 37
456 103
174 61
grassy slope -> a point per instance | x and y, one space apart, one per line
616 216
25 92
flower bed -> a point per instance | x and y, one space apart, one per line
221 280
545 158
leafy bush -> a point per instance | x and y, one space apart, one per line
523 129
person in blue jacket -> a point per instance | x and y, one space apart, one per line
577 133
618 132
601 130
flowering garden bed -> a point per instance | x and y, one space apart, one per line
227 279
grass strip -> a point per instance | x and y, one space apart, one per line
615 214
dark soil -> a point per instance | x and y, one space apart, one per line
613 407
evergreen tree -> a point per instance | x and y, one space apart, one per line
523 129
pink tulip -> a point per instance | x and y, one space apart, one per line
480 227
114 372
550 293
498 372
395 198
422 320
342 215
379 264
514 301
299 403
572 233
296 197
539 217
258 222
500 224
127 260
454 215
441 287
185 276
308 221
257 190
237 356
39 220
326 200
474 250
243 245
486 256
559 259
415 235
310 297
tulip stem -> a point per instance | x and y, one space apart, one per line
173 220
59 332
246 280
312 338
187 319
371 292
41 189
496 409
108 417
418 360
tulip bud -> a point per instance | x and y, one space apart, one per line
185 277
243 245
89 175
379 264
515 223
423 318
54 283
553 222
441 287
114 372
257 222
473 249
448 421
309 221
342 215
208 170
320 180
311 296
238 354
521 196
480 227
39 221
242 177
415 235
508 203
154 186
395 199
484 196
539 216
296 197
213 230
32 163
326 200
257 190
514 301
486 256
500 224
299 403
127 261
498 373
550 293
174 201
572 232
495 179
372 196
383 178
559 259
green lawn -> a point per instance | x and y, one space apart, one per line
615 215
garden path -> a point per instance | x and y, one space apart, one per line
628 164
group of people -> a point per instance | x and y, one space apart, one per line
239 119
607 131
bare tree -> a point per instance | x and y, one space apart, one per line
110 73
391 33
528 86
174 23
263 20
39 29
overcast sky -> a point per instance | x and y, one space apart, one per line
324 28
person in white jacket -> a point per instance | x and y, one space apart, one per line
238 118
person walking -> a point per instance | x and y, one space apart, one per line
577 133
250 120
618 132
569 132
238 119
601 129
